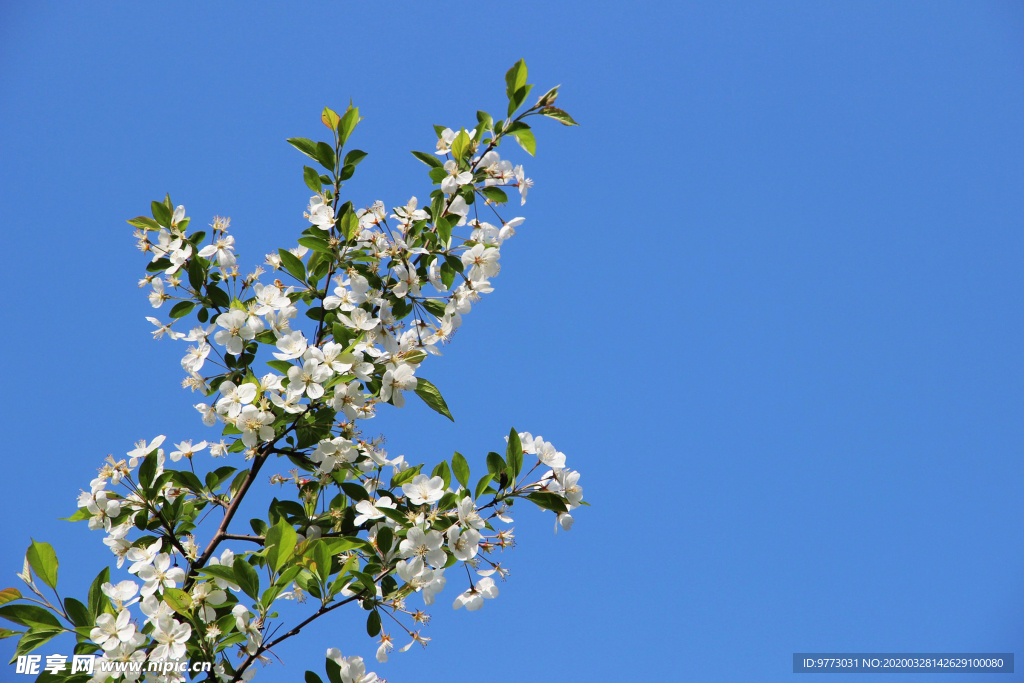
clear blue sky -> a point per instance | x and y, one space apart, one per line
768 299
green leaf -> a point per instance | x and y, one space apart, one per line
526 140
220 571
349 225
304 145
515 78
147 471
9 595
280 365
495 194
355 491
518 98
316 245
548 501
482 485
460 146
348 123
495 464
385 537
161 213
325 155
429 159
79 613
292 264
280 544
29 615
558 115
98 602
7 633
144 222
514 453
43 560
322 557
373 624
442 470
353 157
179 600
333 671
80 515
246 578
312 178
218 296
313 678
484 122
461 469
34 639
196 275
432 397
330 118
182 308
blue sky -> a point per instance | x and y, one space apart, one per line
768 299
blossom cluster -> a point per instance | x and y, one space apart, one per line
341 325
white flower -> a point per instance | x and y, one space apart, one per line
186 450
482 262
122 592
473 598
171 637
454 179
204 595
155 609
269 298
157 296
409 214
548 455
226 559
255 425
195 357
418 543
368 509
359 319
320 214
463 544
308 379
233 397
424 490
468 515
223 247
444 142
291 346
352 668
395 381
142 449
236 331
160 575
523 182
111 631
348 399
143 557
208 413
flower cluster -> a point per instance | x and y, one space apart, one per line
291 358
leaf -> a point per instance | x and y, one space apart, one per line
316 245
515 78
482 485
518 98
292 264
461 144
79 613
80 515
179 600
333 672
373 624
349 225
313 678
354 157
330 118
34 639
312 178
526 140
280 544
559 115
9 595
461 469
495 464
484 122
322 557
98 602
355 491
442 470
7 633
432 397
161 213
246 578
548 501
220 571
304 145
147 471
348 123
325 155
218 296
495 194
384 539
280 365
196 276
428 159
514 453
144 222
29 615
182 308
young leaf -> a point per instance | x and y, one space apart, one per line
349 225
461 144
348 123
330 118
526 140
558 115
515 78
429 159
43 560
432 397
